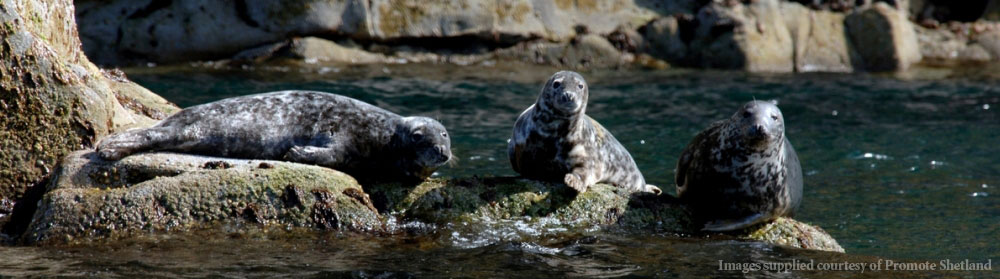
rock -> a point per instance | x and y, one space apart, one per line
499 199
751 37
820 40
53 98
317 49
990 41
91 199
310 50
663 40
585 51
788 232
941 46
124 32
884 38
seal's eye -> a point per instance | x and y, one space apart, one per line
444 134
774 117
556 84
747 113
579 86
417 136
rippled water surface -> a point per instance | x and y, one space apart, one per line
896 168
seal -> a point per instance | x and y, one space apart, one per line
554 140
741 171
308 127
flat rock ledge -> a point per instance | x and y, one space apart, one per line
92 199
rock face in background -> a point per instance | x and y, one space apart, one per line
821 45
884 38
756 36
53 98
92 199
752 37
120 32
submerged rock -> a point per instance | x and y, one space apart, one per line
90 198
54 100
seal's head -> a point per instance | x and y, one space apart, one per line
759 124
428 141
564 94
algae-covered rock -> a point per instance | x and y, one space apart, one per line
788 232
90 198
54 100
506 198
443 201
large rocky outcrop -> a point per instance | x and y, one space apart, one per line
90 199
750 37
756 36
820 40
117 32
53 98
884 38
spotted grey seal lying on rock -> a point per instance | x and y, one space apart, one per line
309 127
741 171
555 140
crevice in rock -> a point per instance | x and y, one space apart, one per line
24 210
244 14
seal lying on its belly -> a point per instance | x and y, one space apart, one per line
741 171
308 127
554 140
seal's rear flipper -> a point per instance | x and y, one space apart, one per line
126 143
736 224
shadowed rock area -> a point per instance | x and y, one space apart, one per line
92 199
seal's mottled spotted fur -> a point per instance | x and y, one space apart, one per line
554 140
299 126
741 171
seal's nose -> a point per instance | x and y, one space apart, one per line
757 130
443 152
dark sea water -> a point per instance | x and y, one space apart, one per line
896 167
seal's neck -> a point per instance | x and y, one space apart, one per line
552 122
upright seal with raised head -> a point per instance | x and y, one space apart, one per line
741 171
555 141
309 127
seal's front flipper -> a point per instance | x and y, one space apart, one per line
736 224
650 188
